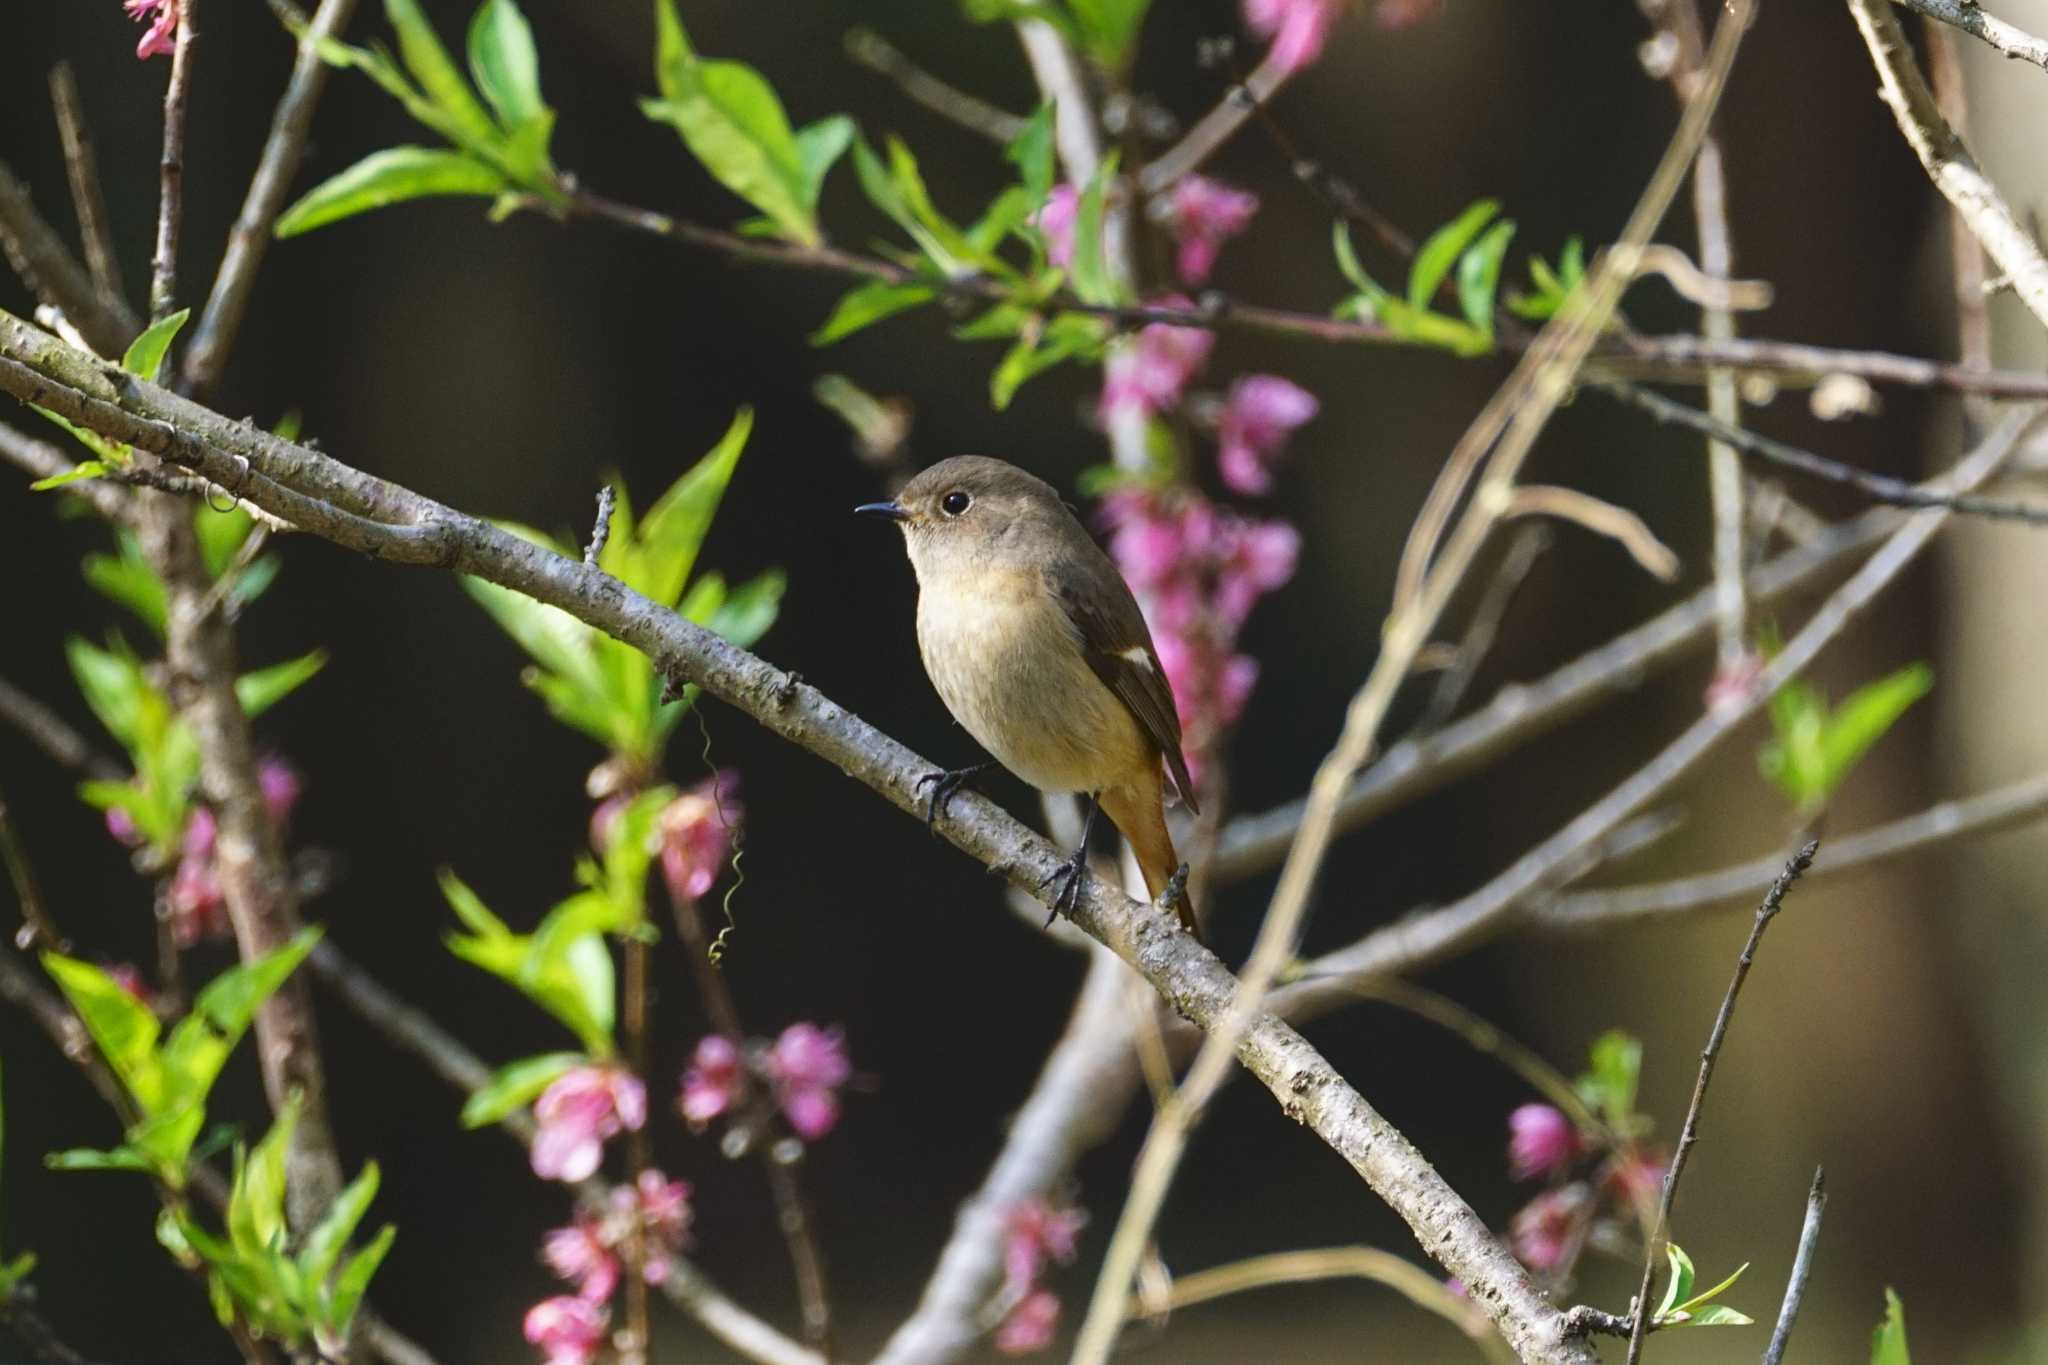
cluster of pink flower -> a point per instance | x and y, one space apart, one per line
580 1112
1201 213
1550 1231
805 1069
198 906
1037 1234
570 1329
162 17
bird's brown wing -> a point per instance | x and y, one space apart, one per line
1118 648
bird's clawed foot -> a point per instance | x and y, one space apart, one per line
944 785
1071 875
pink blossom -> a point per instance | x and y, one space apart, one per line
1542 1142
569 1331
577 1114
808 1065
1733 682
122 826
713 1082
281 788
1546 1231
1030 1325
198 904
1255 558
163 28
1298 28
1262 412
697 830
580 1254
1204 213
1152 371
662 1207
1035 1232
1055 218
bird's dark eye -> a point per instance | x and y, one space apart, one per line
954 503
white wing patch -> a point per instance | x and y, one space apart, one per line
1136 655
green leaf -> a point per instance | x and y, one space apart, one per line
13 1272
749 609
818 149
1442 249
1717 1315
515 1085
389 177
1865 715
1888 1342
325 1243
1109 29
869 304
122 1158
200 1042
113 453
354 1280
123 1027
266 687
165 1138
1609 1088
1092 280
221 535
732 122
113 684
1031 152
504 64
659 558
145 356
465 119
1702 1299
126 578
1679 1286
256 1201
78 473
1479 274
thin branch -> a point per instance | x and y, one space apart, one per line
1935 827
1214 128
1523 711
249 239
870 49
1667 358
41 1338
1947 161
1802 1268
1878 487
88 199
416 1032
37 928
170 218
48 732
1451 685
352 508
1773 900
1602 518
1973 20
1431 936
601 528
49 270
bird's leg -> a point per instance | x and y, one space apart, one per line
1074 870
943 785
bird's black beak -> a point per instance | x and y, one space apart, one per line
881 509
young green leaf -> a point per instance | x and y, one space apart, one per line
329 1237
354 1281
818 149
145 356
1866 714
1888 1342
114 686
123 1027
266 687
658 559
1479 274
78 473
390 177
1700 1300
515 1085
1609 1087
125 578
122 1158
504 63
1031 152
256 1201
1437 255
868 305
1716 1315
438 75
1679 1287
748 610
1092 280
1109 29
200 1042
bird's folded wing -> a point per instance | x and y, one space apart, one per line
1118 648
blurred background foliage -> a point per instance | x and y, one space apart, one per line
505 368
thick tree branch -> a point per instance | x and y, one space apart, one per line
1949 164
373 514
1972 19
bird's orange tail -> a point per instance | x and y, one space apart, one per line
1140 816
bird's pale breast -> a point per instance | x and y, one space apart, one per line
1008 664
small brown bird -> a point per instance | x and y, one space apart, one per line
1037 647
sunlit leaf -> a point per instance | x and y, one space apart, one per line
124 1028
389 177
1441 251
264 688
438 75
1031 152
1091 276
1479 274
504 63
1888 1342
870 304
145 355
329 1237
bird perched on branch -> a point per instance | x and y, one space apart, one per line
1037 647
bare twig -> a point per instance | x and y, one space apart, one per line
1600 517
1979 23
33 1332
283 152
1934 827
1451 685
1966 254
1894 492
601 528
1947 161
870 49
331 499
88 200
170 218
48 732
39 256
1802 1269
1689 1134
37 928
1214 128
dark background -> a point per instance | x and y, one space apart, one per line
505 368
